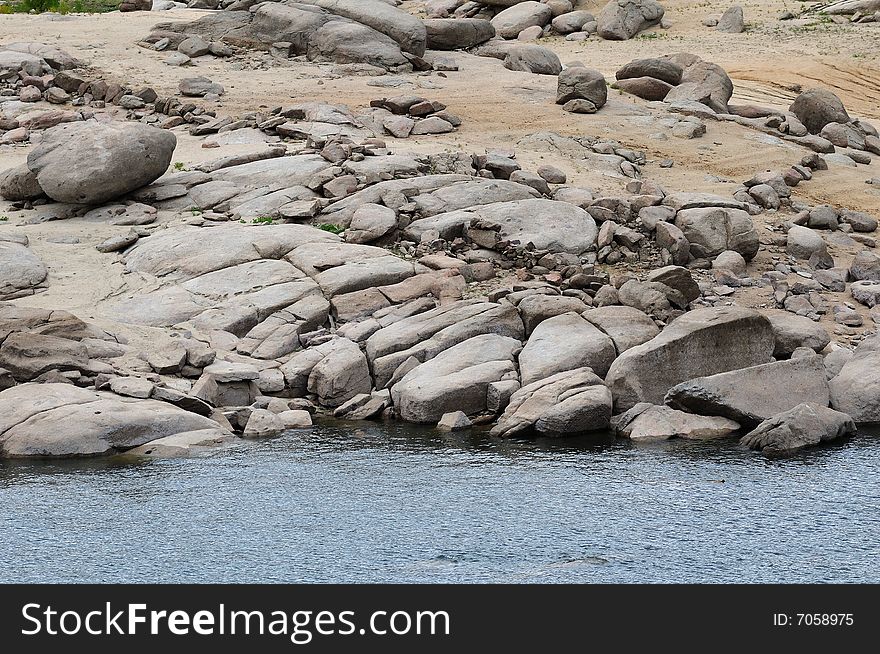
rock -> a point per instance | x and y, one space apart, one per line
197 87
403 28
432 125
132 387
582 83
626 326
672 239
184 444
699 343
860 221
457 33
754 394
369 222
425 335
732 21
702 82
536 308
765 196
513 20
61 420
732 261
815 108
169 357
579 107
551 174
21 271
678 278
92 163
802 426
498 394
865 266
792 332
803 242
263 424
28 355
572 21
570 402
454 421
712 230
657 68
565 342
856 388
648 423
341 373
194 46
620 20
866 292
117 243
646 88
456 379
353 43
532 59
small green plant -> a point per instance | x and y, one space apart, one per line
3 219
179 166
330 227
263 220
38 6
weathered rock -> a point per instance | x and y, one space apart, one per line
865 266
28 355
21 271
803 242
457 33
197 87
60 420
92 163
678 278
532 59
701 342
510 22
582 83
646 88
647 423
565 342
711 231
792 331
536 308
454 421
802 426
425 335
369 222
570 402
184 444
754 394
19 183
732 21
656 68
626 326
856 389
620 20
732 261
456 379
572 21
866 292
341 373
815 108
403 28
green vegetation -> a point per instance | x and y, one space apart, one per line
263 220
3 219
60 6
333 229
179 166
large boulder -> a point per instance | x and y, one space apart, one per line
424 335
620 20
532 59
91 163
802 426
701 81
754 394
647 423
732 21
510 22
578 82
712 230
28 355
627 326
656 68
571 402
855 390
19 183
699 343
456 379
21 271
61 420
354 43
815 108
404 28
457 33
565 342
793 331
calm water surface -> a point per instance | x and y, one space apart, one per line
392 503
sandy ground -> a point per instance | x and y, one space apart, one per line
769 64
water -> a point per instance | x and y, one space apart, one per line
391 503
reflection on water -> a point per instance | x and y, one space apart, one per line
396 503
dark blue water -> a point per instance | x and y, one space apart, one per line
387 503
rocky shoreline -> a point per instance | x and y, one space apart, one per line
322 269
